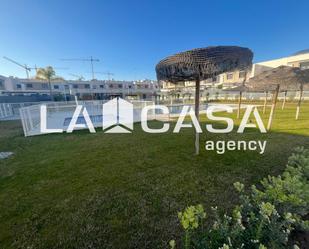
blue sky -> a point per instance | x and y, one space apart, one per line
130 37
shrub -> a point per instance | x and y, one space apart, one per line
264 217
190 220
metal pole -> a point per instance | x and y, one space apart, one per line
197 112
27 71
284 100
1 112
50 90
239 104
240 95
299 102
91 60
273 106
265 102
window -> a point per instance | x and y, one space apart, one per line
56 87
75 86
28 85
66 87
1 83
146 86
101 86
130 86
242 74
229 76
110 86
119 85
44 86
304 65
18 86
87 86
94 87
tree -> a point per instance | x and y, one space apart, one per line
48 74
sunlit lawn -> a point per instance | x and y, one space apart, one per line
85 190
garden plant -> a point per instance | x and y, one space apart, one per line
270 215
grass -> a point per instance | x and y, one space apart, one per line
85 190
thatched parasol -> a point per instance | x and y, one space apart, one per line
288 78
201 64
282 78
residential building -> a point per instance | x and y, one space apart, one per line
95 89
299 59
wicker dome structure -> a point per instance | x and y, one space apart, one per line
282 78
288 78
201 64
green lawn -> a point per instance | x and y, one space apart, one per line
85 190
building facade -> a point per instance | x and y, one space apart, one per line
300 59
96 89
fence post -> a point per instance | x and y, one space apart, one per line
1 111
22 117
30 118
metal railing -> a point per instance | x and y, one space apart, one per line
10 111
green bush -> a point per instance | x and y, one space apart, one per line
264 218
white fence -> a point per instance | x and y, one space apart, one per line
59 115
10 111
5 111
291 96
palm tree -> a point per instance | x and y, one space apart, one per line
48 74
